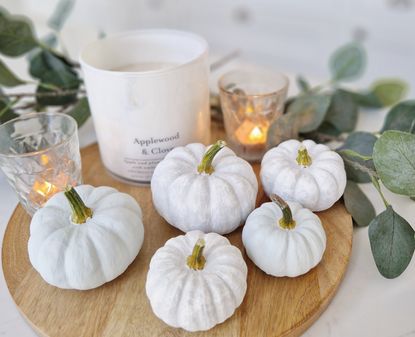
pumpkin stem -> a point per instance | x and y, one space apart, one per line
303 158
287 221
206 165
80 213
197 261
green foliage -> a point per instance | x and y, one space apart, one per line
394 158
56 76
392 242
53 70
343 110
326 112
358 205
401 117
7 78
302 83
285 127
389 91
367 100
348 62
362 143
61 14
16 35
6 112
80 111
310 110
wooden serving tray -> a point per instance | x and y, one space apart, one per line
272 306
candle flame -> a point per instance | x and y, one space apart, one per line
44 159
256 135
44 188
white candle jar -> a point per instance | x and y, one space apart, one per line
148 92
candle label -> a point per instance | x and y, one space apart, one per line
150 152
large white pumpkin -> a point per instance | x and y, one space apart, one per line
204 188
306 172
90 246
196 281
283 238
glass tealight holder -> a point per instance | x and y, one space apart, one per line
251 101
39 154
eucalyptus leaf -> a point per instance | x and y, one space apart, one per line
400 117
7 78
348 62
327 128
394 158
392 242
358 205
360 142
343 110
53 71
389 91
6 112
310 111
80 111
367 100
61 14
302 83
49 68
16 35
283 128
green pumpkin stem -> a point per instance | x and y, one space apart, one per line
287 221
206 165
303 158
80 212
197 261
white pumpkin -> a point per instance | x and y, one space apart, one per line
306 172
204 188
196 281
77 245
283 238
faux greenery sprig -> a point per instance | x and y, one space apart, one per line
55 76
329 112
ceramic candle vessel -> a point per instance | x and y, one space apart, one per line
148 92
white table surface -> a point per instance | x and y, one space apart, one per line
366 304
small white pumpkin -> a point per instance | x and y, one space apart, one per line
283 238
204 188
74 246
306 172
196 281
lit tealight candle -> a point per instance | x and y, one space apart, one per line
44 188
47 185
256 135
249 133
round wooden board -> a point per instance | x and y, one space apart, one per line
272 306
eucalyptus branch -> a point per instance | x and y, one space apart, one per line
8 106
45 94
375 182
356 165
355 154
26 106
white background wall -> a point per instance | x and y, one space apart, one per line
295 36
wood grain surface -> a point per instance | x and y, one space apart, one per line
272 306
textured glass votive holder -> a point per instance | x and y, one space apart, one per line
39 154
251 100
